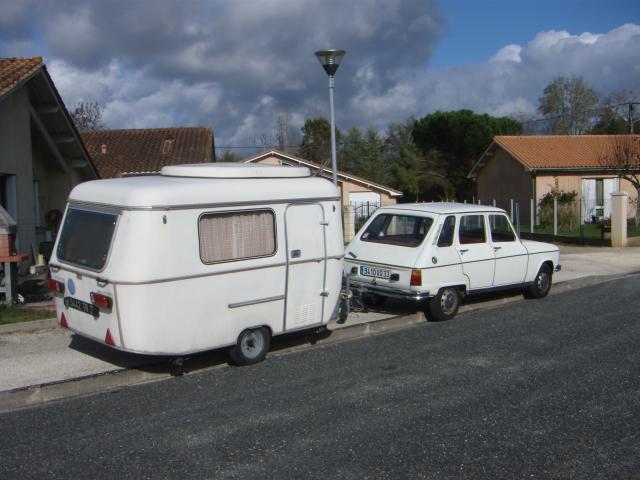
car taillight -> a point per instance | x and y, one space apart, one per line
416 278
63 321
100 300
55 286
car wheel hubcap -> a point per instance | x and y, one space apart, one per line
543 281
251 344
447 301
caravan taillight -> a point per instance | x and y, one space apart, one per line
100 300
63 321
56 286
416 278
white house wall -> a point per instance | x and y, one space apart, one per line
15 159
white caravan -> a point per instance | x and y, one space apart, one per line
199 257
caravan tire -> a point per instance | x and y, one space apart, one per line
252 346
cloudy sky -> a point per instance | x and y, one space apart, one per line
236 64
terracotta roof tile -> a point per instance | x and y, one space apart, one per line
118 152
14 71
559 151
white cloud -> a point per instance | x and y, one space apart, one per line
236 65
510 53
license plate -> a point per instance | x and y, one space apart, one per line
85 307
374 272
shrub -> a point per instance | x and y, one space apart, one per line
568 213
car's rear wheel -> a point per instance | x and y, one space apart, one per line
252 346
444 305
541 284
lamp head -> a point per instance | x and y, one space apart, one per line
330 60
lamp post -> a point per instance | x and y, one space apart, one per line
330 61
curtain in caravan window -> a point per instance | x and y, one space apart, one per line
234 236
610 185
588 199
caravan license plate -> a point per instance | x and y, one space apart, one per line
374 272
85 307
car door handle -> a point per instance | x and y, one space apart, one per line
463 250
495 249
296 253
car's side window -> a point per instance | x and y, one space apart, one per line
471 229
501 231
446 234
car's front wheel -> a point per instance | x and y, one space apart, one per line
252 346
541 284
444 305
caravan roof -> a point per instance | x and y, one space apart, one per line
207 184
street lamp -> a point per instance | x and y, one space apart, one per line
330 61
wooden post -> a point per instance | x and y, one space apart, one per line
555 217
532 220
349 223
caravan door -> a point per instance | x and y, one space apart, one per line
306 265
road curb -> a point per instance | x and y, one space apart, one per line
118 378
29 326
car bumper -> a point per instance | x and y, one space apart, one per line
366 288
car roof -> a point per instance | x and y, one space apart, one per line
442 208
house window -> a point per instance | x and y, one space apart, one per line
599 192
167 145
471 229
230 236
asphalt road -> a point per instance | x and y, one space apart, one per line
536 389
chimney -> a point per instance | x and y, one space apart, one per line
103 149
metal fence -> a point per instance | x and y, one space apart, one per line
563 219
362 212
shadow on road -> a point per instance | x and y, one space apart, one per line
189 363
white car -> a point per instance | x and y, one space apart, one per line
439 252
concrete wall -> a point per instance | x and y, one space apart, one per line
347 187
503 178
15 159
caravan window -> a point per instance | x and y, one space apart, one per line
85 238
232 236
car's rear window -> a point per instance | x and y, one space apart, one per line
85 238
393 229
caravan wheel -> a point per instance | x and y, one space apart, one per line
252 346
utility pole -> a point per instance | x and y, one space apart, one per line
631 104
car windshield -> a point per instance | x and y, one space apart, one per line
393 229
85 238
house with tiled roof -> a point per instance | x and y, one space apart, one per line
360 196
122 153
353 189
522 168
41 155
